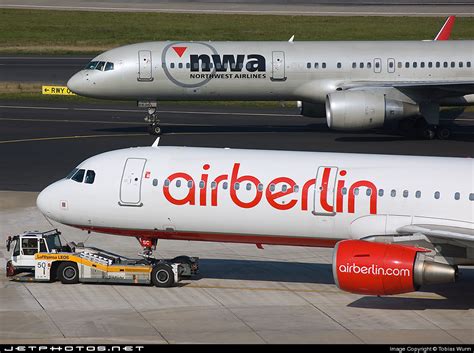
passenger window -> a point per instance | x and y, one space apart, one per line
418 194
213 185
380 192
471 197
405 193
344 191
393 193
369 65
407 65
354 65
430 64
400 64
91 65
180 65
225 185
339 65
461 64
178 183
457 196
323 65
436 195
284 188
90 177
260 187
296 188
438 64
422 64
453 64
155 182
100 65
361 65
167 183
172 65
415 65
29 246
79 176
445 64
368 192
202 184
316 65
236 186
188 65
190 184
272 187
356 191
308 65
468 64
109 66
248 186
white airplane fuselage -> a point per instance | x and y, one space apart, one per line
305 71
262 197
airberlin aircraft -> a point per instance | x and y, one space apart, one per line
396 222
356 85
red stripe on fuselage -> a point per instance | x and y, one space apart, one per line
217 237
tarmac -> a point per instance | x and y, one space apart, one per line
243 294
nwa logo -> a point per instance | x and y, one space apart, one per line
226 62
194 64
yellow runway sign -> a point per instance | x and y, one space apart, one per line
57 90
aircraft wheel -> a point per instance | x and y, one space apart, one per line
162 276
155 129
428 133
443 133
68 273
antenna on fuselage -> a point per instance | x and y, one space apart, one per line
291 39
156 143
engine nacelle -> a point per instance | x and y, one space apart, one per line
311 110
365 267
355 110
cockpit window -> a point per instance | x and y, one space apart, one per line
90 177
100 65
79 176
91 65
109 66
69 176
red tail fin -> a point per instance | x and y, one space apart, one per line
445 31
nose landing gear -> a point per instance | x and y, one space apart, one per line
151 117
148 245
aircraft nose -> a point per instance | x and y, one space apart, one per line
76 83
48 203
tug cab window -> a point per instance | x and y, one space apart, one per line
29 246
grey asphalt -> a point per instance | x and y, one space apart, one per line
296 7
41 142
44 69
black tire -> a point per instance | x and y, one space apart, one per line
443 133
162 276
68 273
154 129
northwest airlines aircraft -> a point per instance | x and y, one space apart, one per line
396 222
357 85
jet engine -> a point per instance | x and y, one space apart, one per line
365 267
311 110
355 110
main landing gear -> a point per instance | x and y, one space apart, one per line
420 129
187 266
151 117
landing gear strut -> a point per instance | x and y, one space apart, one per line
151 117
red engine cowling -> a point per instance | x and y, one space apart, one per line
364 267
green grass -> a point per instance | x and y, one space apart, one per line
66 32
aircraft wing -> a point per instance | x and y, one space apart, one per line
443 87
438 231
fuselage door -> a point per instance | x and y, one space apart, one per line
377 65
130 187
144 66
278 66
325 192
391 65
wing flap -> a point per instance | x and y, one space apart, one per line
439 231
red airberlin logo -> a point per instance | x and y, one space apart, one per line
180 50
281 193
